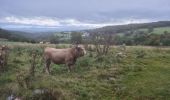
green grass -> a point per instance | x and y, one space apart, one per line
152 82
132 77
159 30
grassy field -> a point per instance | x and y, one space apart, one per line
141 73
159 30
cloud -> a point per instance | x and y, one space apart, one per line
69 22
79 10
31 21
80 14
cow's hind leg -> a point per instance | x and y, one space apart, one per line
47 67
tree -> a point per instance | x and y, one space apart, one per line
76 38
102 43
54 39
165 32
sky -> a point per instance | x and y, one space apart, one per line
79 14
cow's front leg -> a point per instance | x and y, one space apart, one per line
70 66
70 63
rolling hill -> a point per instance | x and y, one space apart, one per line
13 35
129 27
157 28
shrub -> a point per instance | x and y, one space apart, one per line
140 53
105 60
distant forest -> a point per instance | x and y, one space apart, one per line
14 36
154 34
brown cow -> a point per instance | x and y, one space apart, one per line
66 56
1 62
3 56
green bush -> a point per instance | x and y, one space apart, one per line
140 53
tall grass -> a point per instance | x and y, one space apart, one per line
130 74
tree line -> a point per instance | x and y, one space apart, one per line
11 36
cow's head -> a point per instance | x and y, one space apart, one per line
3 47
80 51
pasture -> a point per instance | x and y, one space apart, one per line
138 73
159 30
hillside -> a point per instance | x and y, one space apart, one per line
129 27
14 35
132 33
153 34
158 30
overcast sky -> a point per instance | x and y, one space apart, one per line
79 14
